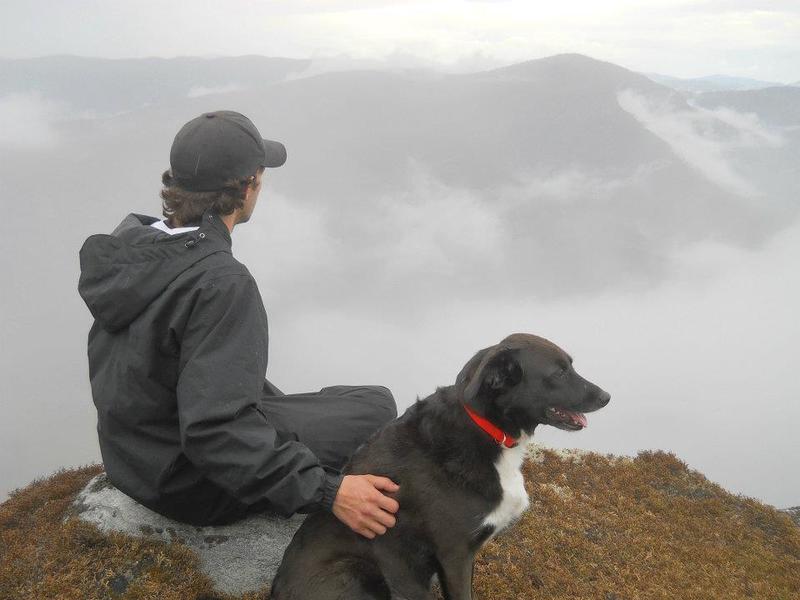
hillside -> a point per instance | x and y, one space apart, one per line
710 83
598 527
779 106
110 86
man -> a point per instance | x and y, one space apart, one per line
187 423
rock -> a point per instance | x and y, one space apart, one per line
239 558
793 512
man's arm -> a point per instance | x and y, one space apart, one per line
223 432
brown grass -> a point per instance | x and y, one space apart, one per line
599 528
42 558
606 529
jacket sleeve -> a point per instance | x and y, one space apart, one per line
223 431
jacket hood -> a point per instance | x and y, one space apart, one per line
122 273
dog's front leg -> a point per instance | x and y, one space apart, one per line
456 575
414 595
408 588
404 583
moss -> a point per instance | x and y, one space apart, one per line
598 528
43 557
646 528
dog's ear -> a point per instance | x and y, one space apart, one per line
492 370
467 373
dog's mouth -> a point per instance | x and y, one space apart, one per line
562 418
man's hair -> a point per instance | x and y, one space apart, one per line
185 207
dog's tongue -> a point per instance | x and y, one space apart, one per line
577 418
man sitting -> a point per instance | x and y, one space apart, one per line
188 425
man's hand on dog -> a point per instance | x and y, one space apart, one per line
363 507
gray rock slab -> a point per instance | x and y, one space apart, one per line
239 558
793 512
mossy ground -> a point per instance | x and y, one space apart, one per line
43 558
599 528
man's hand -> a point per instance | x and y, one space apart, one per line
361 505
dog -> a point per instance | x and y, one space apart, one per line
457 457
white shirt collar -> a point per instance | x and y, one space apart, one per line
172 231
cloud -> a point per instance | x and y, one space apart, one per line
715 7
703 138
750 132
26 120
710 352
287 245
436 228
199 90
544 236
426 237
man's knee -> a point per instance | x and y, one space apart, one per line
377 397
385 400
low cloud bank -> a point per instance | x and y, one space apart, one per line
704 138
26 121
199 90
701 365
544 236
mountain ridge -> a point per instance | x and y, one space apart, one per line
711 83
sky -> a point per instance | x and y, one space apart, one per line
755 39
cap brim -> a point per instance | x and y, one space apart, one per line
274 153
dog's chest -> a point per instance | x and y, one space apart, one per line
514 500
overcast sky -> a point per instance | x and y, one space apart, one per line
757 39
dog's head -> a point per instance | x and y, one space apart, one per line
526 380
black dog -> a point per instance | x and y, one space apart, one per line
457 456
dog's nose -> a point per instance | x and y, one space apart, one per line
605 397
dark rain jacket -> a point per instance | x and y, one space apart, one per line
177 360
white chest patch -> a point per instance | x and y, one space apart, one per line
515 499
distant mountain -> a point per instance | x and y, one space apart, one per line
779 106
710 83
576 71
775 110
106 86
478 130
547 136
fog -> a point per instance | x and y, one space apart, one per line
422 216
702 365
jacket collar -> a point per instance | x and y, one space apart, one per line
212 222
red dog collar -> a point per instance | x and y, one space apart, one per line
494 431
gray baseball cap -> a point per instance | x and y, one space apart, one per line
220 145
